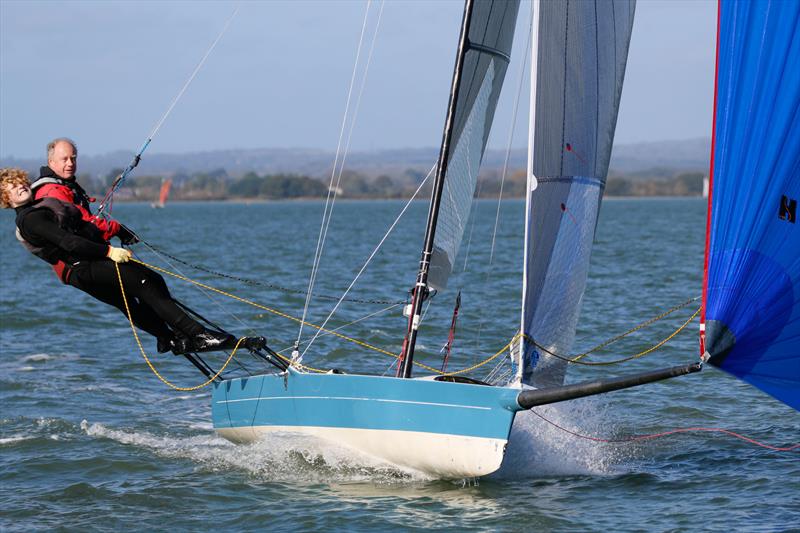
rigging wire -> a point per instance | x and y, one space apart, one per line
357 107
261 283
395 356
371 256
331 196
118 182
203 291
510 142
517 98
348 324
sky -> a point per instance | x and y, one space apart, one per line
104 74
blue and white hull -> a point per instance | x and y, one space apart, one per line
448 430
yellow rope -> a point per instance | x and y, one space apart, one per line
635 329
623 360
573 359
147 359
485 361
280 314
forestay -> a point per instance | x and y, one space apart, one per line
490 33
580 50
752 288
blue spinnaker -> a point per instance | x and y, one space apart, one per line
752 289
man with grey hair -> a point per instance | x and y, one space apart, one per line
57 180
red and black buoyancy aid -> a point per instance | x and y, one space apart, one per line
48 177
69 218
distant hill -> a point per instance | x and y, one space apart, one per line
691 154
626 159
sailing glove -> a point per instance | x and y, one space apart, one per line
126 235
118 255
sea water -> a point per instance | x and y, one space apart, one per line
91 439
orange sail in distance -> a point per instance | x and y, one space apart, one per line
163 193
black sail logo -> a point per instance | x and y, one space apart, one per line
788 209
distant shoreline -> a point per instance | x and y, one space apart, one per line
318 199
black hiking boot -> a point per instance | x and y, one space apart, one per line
164 345
209 341
180 345
254 343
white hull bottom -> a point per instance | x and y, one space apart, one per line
439 455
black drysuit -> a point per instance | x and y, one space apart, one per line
53 230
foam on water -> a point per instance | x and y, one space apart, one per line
15 438
37 357
54 429
285 457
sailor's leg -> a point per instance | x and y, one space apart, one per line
149 288
151 291
142 315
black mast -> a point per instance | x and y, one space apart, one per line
421 287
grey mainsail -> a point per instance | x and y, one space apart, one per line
487 48
487 33
579 57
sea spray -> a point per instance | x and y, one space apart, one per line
537 448
284 457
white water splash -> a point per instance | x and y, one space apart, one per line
15 438
537 448
37 357
286 457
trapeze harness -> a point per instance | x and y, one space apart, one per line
69 218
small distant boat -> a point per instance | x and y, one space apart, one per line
163 194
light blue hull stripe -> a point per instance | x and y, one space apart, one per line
364 402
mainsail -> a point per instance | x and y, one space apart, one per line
752 278
487 33
486 50
578 64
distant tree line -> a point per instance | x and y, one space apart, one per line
656 182
684 184
218 185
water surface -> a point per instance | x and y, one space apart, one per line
89 438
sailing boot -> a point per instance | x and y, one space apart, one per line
209 341
180 345
164 344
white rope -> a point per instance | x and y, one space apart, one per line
366 263
327 212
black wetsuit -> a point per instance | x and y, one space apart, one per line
56 232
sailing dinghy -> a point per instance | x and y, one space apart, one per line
458 428
163 194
